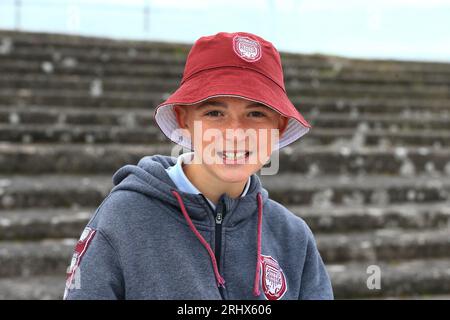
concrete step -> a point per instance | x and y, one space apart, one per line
385 245
421 279
418 279
80 134
335 73
376 138
65 190
32 288
73 158
21 191
55 40
49 223
315 105
50 256
38 133
293 87
344 218
91 44
30 258
328 191
313 161
73 98
408 121
43 223
69 66
318 75
176 54
148 101
129 117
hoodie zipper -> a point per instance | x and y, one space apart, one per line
218 213
219 218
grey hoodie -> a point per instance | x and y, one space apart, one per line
149 240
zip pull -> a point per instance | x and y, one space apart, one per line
219 217
219 214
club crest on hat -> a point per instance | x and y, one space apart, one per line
273 278
246 48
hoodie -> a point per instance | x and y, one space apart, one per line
150 240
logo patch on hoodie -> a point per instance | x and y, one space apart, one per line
273 278
80 249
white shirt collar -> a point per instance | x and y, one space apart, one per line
182 182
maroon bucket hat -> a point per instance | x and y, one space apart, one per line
238 64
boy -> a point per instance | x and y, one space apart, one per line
201 226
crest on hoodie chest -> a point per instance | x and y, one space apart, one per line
273 278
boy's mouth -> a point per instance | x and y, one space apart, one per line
233 156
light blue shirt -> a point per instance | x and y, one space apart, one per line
182 182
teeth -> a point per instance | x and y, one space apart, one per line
234 156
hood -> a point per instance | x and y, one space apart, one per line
149 177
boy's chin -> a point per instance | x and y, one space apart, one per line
233 174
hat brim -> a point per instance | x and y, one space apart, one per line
230 81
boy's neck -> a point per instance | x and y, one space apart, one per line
210 186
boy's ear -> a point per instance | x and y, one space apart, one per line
180 114
282 124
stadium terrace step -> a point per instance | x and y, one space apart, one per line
52 223
327 191
70 66
32 288
21 191
384 245
79 134
120 134
59 41
52 256
146 100
341 219
77 98
419 278
406 280
129 117
43 223
63 190
29 258
30 158
293 87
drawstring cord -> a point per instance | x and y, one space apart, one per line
220 280
258 248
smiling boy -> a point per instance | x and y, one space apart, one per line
220 114
201 225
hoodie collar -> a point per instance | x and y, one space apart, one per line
150 178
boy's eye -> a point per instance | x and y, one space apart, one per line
257 114
213 113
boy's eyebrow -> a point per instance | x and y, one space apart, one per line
223 104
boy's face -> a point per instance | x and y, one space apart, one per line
220 126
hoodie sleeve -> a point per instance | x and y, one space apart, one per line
315 282
95 271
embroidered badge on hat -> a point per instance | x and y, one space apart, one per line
246 48
273 279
